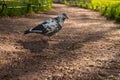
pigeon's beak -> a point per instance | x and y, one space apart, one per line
67 17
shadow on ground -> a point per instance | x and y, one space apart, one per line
42 58
45 52
34 46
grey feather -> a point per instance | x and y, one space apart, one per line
50 26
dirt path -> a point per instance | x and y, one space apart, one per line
89 48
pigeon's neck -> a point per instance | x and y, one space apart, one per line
60 20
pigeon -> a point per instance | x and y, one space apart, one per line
50 26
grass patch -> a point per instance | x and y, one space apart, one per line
14 7
108 8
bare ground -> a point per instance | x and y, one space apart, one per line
88 48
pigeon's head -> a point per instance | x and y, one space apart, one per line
63 16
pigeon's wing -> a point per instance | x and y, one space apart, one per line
47 27
52 26
39 29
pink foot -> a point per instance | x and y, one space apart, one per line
53 40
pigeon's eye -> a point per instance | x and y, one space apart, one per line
63 18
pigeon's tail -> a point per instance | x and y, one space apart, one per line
27 31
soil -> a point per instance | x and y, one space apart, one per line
87 47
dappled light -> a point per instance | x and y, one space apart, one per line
87 47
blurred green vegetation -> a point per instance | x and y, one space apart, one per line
20 7
108 8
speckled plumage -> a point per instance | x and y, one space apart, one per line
50 26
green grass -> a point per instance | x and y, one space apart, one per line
15 7
108 8
80 3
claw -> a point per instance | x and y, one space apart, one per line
53 40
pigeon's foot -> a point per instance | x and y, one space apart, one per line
53 40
